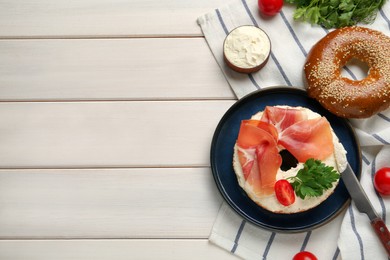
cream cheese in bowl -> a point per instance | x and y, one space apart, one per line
246 49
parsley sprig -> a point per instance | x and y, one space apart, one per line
336 13
313 179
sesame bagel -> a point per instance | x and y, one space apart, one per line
343 96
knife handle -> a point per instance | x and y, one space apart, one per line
382 232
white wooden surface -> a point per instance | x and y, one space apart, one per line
108 133
107 203
102 18
109 69
107 249
107 110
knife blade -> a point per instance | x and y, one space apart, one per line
364 205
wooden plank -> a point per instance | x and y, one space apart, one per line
169 249
108 134
108 203
56 18
110 69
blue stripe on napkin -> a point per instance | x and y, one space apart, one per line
336 254
384 117
294 35
239 232
306 240
267 248
358 237
221 21
365 159
380 139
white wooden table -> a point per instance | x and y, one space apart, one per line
107 110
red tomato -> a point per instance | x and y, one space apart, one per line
382 181
304 255
270 7
284 192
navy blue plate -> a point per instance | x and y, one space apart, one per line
222 155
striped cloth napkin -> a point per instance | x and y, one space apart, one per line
350 235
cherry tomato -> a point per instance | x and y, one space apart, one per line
382 181
270 7
284 192
305 255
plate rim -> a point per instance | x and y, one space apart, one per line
216 177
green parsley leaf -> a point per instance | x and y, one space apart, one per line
336 13
313 179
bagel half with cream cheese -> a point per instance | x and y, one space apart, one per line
298 131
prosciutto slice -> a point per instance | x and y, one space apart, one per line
308 139
259 158
269 128
282 118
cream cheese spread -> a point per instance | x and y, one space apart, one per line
247 46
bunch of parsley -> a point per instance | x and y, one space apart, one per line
313 179
336 13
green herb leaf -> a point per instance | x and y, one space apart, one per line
334 3
299 13
313 179
312 15
336 13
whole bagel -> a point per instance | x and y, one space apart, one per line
343 96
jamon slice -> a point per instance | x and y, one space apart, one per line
247 159
282 117
259 158
269 162
248 138
308 139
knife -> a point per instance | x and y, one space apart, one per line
364 205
